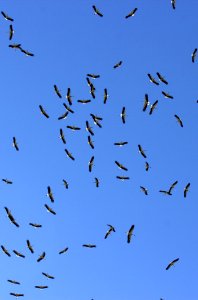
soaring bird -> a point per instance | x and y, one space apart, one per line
172 187
144 190
147 166
120 166
89 245
68 108
111 228
141 151
92 91
26 52
120 144
74 128
84 101
11 32
57 91
63 251
50 194
18 254
49 209
5 251
166 95
90 142
48 276
68 96
130 233
41 287
16 295
69 154
96 120
63 116
30 246
146 102
123 115
153 106
172 263
161 78
7 17
105 96
97 182
123 177
131 14
91 162
94 76
15 46
117 65
41 257
186 189
173 2
152 79
35 225
62 137
7 181
43 111
13 281
96 11
65 184
10 216
15 145
193 55
179 120
89 129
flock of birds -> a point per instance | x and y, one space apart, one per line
97 120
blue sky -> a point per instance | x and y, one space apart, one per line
68 41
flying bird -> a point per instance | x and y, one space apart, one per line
89 245
120 166
35 225
68 108
123 177
7 181
94 76
15 46
69 154
74 128
16 295
179 120
193 55
96 11
65 184
173 2
49 209
172 187
111 228
117 65
5 251
15 145
63 116
10 216
13 281
96 120
68 96
90 142
131 14
48 276
186 189
105 96
141 151
166 95
18 254
41 287
152 79
84 101
91 162
147 167
11 32
89 129
144 190
50 194
30 246
64 250
123 115
62 137
97 182
43 111
153 107
161 78
146 102
7 17
130 233
27 53
120 144
41 257
172 263
57 91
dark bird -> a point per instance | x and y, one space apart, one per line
179 120
120 166
57 91
68 108
96 120
84 101
11 32
63 116
49 209
141 151
165 192
105 96
172 187
41 287
161 78
147 166
65 184
10 216
63 251
132 13
35 225
166 95
96 11
91 162
13 281
172 263
5 251
146 102
123 177
18 254
41 257
89 82
48 276
90 142
94 76
16 295
62 137
186 189
117 65
7 181
69 154
30 246
153 107
89 128
89 245
43 111
74 128
130 233
92 92
173 2
68 96
15 145
97 182
123 115
7 17
193 55
27 53
15 46
144 190
111 228
120 144
50 194
152 79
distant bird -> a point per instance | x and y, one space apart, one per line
15 145
120 166
5 251
27 53
7 181
91 162
89 129
65 184
146 102
49 209
68 96
62 137
90 142
193 55
173 2
41 287
123 115
84 101
41 257
92 91
18 254
123 178
186 189
105 96
48 276
16 295
68 108
144 190
166 95
57 91
69 154
97 182
172 187
94 76
172 263
161 78
141 151
165 192
7 17
64 250
50 194
74 128
96 120
130 233
43 111
13 281
89 245
120 144
153 106
63 116
35 225
111 228
10 216
147 167
117 65
15 46
96 11
131 14
30 246
152 79
179 120
11 32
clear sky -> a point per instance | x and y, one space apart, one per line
68 41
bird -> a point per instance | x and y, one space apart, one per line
130 233
68 96
18 254
7 181
68 108
141 151
30 246
62 137
186 189
120 166
123 178
92 92
132 13
5 251
161 78
173 2
147 166
152 79
90 142
89 129
91 163
48 276
153 106
10 216
43 111
63 251
97 182
165 192
41 257
13 281
172 187
15 46
96 120
111 228
27 53
105 96
15 145
166 95
146 102
172 263
50 194
11 32
69 154
144 190
57 91
120 144
35 225
7 17
74 128
89 245
16 295
94 76
63 116
123 115
41 287
65 184
49 209
84 101
179 120
96 11
194 54
117 65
